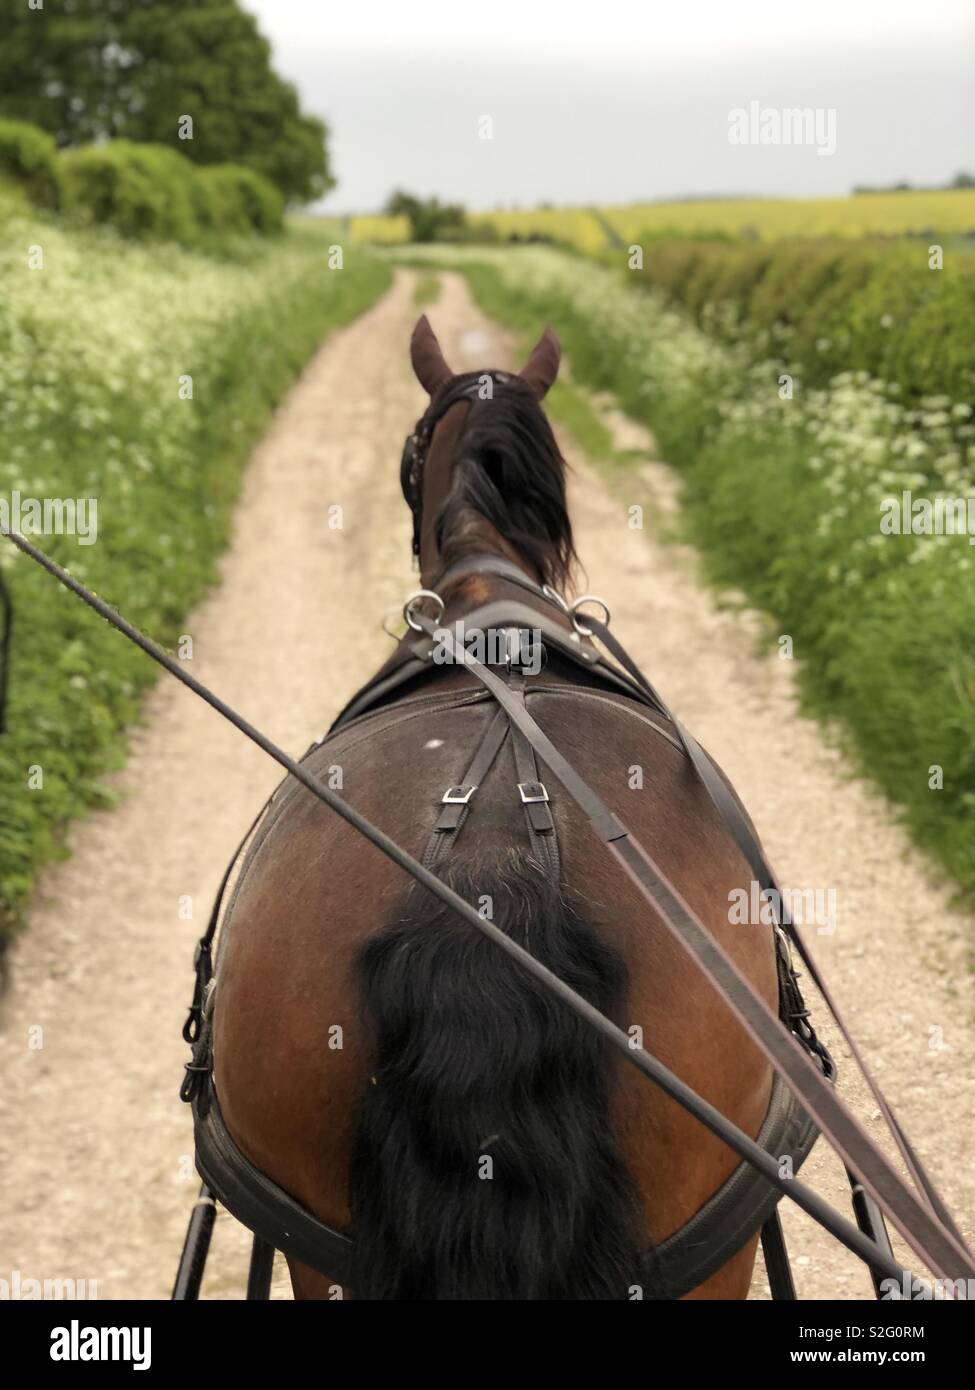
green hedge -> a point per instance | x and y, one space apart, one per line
29 156
246 202
143 191
152 192
96 411
832 305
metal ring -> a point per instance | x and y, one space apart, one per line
415 598
587 598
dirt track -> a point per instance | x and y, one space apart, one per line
94 1144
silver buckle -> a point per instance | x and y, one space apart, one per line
531 792
457 796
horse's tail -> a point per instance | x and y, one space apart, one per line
484 1163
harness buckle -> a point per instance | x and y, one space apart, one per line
457 796
530 792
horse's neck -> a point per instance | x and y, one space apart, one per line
475 536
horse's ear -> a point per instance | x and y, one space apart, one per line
428 361
542 367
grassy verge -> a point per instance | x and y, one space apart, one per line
784 489
140 378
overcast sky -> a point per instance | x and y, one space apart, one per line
608 101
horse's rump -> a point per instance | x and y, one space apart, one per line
298 1039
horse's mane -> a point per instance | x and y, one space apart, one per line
509 470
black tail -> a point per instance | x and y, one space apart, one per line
484 1163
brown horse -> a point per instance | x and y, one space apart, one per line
389 1067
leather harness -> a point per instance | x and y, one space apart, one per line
746 1202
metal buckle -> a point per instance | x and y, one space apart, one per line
531 792
457 796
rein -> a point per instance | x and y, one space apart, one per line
940 1248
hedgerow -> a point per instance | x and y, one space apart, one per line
832 306
245 201
150 191
143 191
29 157
783 495
93 348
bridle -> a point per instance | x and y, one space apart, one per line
923 1220
416 448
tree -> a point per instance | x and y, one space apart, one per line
429 218
94 69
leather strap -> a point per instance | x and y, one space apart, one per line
680 1263
777 1259
456 800
532 792
728 808
413 658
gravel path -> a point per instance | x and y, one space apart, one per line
94 1144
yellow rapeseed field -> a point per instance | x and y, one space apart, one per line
942 214
892 214
379 228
